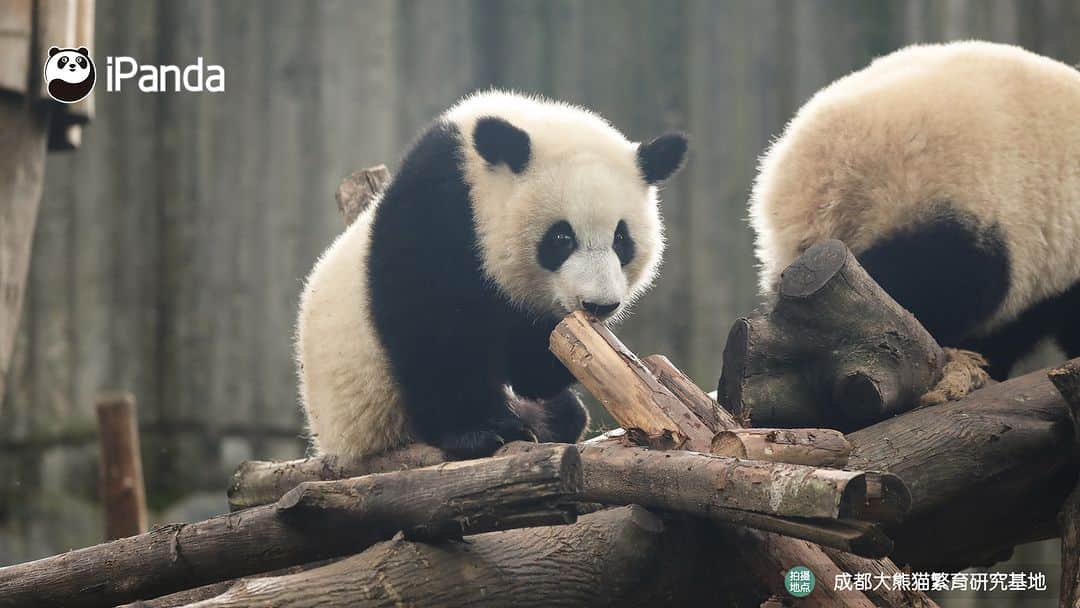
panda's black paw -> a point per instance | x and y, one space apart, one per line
484 442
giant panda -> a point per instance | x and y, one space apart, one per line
952 171
428 319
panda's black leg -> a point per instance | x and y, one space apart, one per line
948 272
567 417
562 418
1068 336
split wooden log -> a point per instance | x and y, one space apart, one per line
1067 381
123 494
972 465
359 189
814 447
624 385
314 521
623 556
258 482
834 351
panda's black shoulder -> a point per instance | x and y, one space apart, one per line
424 264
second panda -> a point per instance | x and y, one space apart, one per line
428 318
952 172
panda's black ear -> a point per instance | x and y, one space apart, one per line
660 158
53 50
83 51
498 141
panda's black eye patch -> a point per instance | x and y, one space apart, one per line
62 62
81 62
557 245
622 244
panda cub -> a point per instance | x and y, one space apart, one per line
953 173
428 318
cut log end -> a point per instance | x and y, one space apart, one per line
359 189
814 269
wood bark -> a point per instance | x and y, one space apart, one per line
359 189
624 385
814 447
314 521
576 342
1069 520
1067 381
986 473
884 596
702 484
617 556
258 482
835 350
123 494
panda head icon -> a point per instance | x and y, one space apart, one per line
69 74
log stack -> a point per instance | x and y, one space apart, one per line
682 505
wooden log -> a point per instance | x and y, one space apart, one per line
621 556
623 384
882 596
190 596
814 447
123 494
452 498
835 350
591 353
768 557
972 465
1067 381
258 483
704 407
702 484
359 189
665 481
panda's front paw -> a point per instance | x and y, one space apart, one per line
484 442
471 444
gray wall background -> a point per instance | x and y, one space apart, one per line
170 250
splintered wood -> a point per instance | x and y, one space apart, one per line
624 385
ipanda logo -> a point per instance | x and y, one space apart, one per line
194 78
69 74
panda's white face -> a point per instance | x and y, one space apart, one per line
593 242
69 66
565 207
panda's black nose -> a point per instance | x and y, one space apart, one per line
599 310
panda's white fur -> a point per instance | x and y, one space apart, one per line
352 405
580 169
992 128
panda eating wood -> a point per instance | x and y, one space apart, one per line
953 173
428 318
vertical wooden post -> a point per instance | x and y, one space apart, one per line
22 174
122 491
